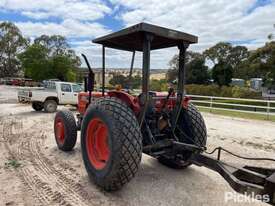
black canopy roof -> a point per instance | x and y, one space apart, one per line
131 38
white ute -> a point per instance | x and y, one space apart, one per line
53 94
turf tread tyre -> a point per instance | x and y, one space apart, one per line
126 143
70 130
196 127
192 123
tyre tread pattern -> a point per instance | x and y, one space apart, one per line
70 130
197 125
192 122
127 130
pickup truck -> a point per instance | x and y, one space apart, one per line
51 95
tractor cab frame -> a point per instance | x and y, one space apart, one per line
166 127
144 38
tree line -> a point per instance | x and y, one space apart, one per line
45 57
228 62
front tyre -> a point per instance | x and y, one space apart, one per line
111 143
65 130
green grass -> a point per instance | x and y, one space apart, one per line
239 114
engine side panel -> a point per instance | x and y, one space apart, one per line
83 100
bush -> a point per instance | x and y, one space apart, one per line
240 92
158 85
224 91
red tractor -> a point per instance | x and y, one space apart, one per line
116 127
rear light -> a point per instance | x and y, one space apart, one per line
30 94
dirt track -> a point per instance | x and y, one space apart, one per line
47 176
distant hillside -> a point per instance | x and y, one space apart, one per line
152 71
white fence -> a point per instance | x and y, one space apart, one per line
255 106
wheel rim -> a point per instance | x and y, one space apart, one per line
50 107
60 131
97 143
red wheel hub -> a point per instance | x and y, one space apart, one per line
60 130
97 143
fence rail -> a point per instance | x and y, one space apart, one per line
255 106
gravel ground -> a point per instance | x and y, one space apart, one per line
8 94
47 176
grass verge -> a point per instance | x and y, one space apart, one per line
239 114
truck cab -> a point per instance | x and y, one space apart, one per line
68 92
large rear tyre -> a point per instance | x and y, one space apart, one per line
111 143
37 106
192 124
65 130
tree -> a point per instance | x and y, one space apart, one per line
63 67
235 57
171 75
219 52
222 74
36 63
238 54
12 43
119 79
244 71
262 63
158 85
50 57
136 82
196 70
225 52
55 44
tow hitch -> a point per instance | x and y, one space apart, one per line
248 180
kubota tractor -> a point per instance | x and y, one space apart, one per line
116 127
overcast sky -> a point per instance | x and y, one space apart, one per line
241 22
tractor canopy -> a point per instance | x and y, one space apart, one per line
131 38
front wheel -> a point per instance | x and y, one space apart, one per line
65 130
111 143
191 124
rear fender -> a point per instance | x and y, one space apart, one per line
52 98
185 102
131 101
